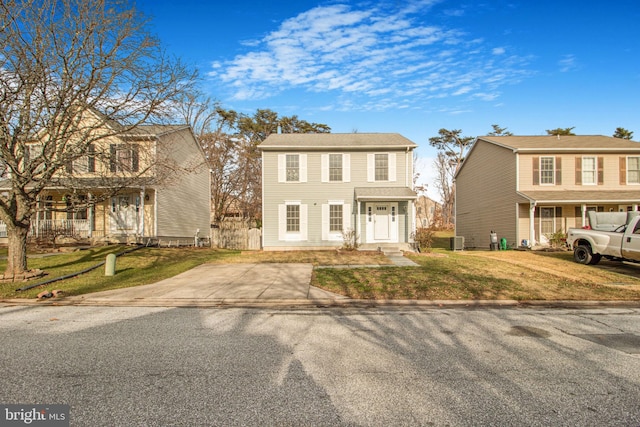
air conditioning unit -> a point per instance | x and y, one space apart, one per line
456 243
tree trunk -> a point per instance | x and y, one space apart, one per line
17 249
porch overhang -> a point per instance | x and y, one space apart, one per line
581 197
364 194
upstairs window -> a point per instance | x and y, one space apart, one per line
335 167
589 171
124 158
547 168
382 167
633 170
293 167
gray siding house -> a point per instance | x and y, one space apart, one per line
315 187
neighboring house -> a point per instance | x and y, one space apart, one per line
427 211
317 186
525 188
167 211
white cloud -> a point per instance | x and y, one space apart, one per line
568 63
368 56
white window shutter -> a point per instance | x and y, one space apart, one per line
392 167
324 165
371 167
282 167
325 222
304 223
346 168
346 216
303 168
282 222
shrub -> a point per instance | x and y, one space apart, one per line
350 239
424 238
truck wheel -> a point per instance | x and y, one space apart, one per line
582 254
595 258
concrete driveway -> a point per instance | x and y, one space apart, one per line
215 285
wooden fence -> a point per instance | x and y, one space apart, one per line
236 238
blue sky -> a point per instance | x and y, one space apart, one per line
415 66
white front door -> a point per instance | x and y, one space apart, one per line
123 214
381 222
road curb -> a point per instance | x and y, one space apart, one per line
317 303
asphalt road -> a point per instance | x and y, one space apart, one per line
135 366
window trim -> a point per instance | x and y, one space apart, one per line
552 171
594 171
628 169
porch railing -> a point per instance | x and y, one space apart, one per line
59 227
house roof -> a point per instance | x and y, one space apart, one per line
324 141
579 196
562 143
385 193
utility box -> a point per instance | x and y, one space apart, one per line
456 243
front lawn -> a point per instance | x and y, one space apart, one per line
442 274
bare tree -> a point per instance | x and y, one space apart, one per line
74 75
452 148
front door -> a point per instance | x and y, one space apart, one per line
123 214
381 222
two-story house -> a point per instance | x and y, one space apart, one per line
316 187
168 202
526 188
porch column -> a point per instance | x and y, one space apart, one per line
141 213
38 207
583 210
357 228
91 217
532 227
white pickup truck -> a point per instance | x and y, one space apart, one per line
621 244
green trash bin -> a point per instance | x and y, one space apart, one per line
503 244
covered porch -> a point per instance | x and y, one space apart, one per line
385 216
124 218
546 214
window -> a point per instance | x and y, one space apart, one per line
335 167
589 171
547 170
124 158
382 167
293 167
293 218
335 218
633 170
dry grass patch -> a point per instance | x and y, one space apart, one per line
483 275
317 258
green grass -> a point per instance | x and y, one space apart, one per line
143 266
442 274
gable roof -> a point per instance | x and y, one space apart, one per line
567 143
324 141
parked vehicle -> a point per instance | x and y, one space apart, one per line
621 244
